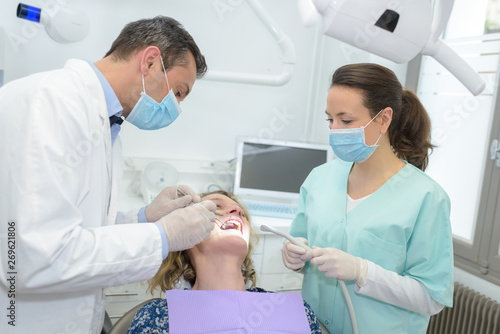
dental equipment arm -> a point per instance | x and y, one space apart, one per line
395 30
341 283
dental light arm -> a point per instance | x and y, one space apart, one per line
395 30
456 65
446 56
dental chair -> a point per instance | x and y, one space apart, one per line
122 325
323 328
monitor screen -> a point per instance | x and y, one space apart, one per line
276 168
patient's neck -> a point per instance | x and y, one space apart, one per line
221 272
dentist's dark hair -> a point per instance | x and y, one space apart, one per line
410 128
163 32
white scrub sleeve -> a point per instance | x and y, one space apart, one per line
401 291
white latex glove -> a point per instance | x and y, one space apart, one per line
168 200
188 226
338 264
291 254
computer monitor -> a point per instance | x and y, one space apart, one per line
276 169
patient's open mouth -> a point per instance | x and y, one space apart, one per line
231 224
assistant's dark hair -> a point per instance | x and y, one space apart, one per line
163 32
410 129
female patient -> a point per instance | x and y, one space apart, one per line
220 262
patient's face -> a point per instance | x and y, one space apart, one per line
233 224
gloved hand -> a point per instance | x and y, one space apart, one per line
188 226
338 264
168 200
291 254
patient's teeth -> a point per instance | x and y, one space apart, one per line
231 225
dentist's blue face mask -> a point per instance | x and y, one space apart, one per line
350 145
151 115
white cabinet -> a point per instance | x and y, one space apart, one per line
120 299
273 275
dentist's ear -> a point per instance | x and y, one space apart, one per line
148 58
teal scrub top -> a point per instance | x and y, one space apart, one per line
403 227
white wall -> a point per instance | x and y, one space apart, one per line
233 39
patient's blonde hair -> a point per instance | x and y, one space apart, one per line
178 266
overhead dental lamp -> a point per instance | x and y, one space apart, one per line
395 30
63 23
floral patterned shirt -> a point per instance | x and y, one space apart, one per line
153 317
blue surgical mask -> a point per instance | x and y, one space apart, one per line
350 145
151 115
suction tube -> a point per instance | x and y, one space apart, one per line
347 297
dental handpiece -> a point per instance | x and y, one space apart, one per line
294 241
342 285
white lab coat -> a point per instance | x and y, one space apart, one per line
59 185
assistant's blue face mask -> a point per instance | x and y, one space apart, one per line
350 145
151 115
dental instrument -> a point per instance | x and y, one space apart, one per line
183 193
296 242
220 221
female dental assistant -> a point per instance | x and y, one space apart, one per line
373 217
